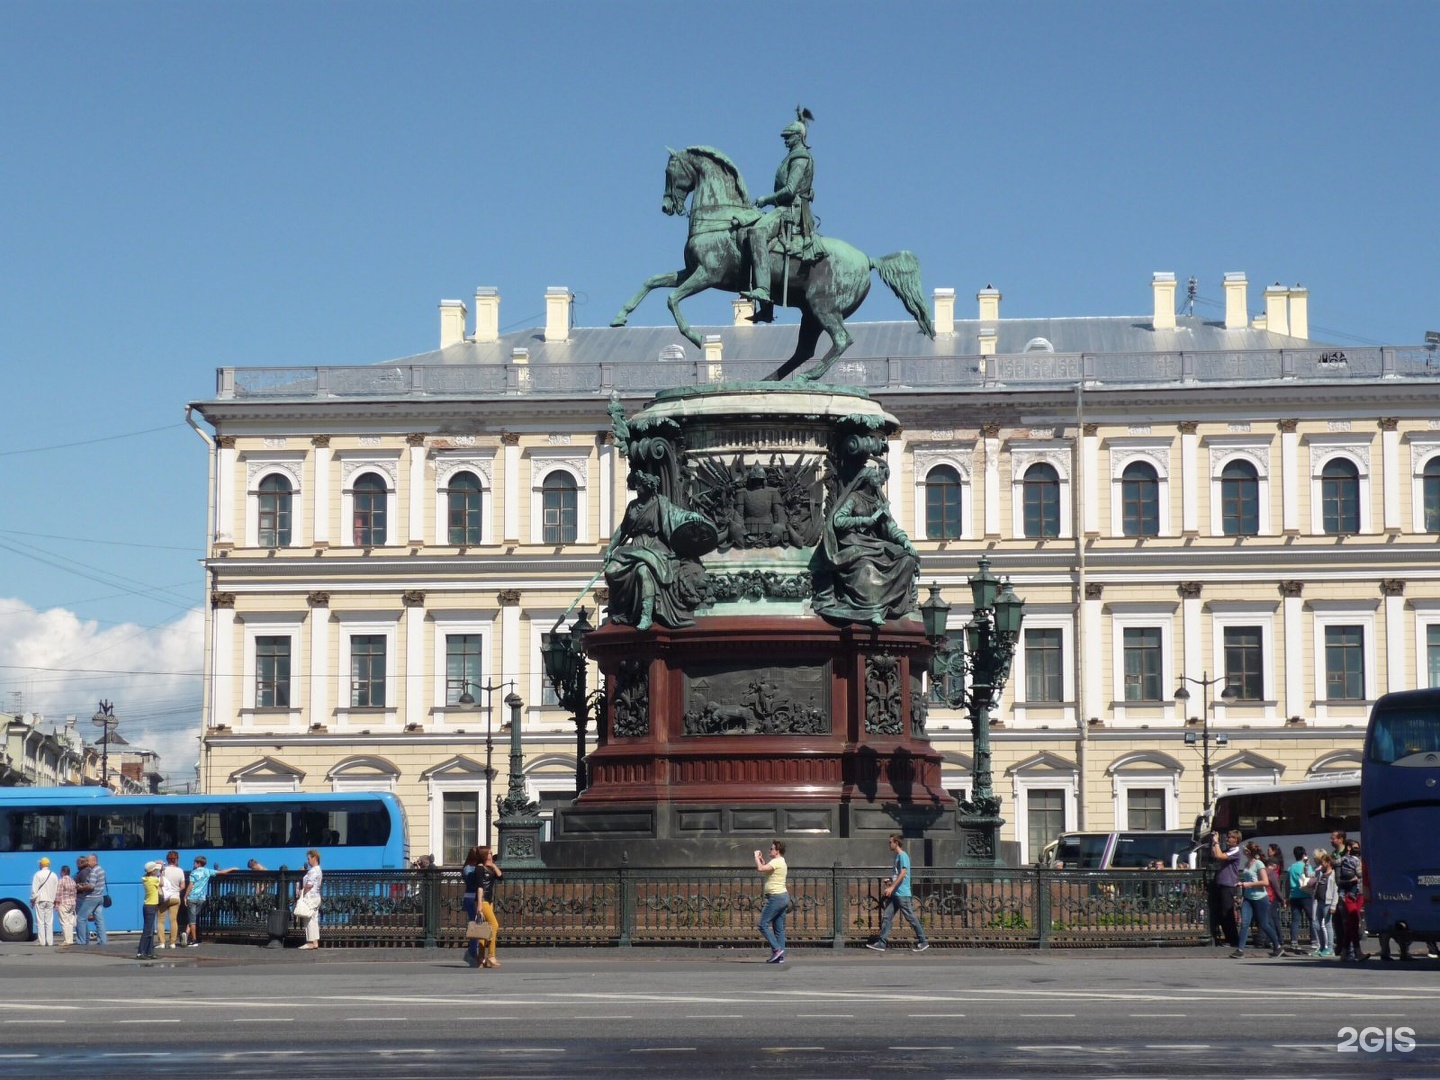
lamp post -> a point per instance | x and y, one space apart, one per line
972 677
520 825
467 701
564 656
105 717
1227 695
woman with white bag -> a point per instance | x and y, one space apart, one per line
307 905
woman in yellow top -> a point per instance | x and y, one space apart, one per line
151 884
777 900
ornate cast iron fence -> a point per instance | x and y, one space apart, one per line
837 907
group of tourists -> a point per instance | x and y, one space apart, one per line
1320 889
79 902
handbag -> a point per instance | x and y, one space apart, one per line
477 930
107 901
308 906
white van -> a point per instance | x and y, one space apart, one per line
1119 850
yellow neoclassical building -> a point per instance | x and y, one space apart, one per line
1177 500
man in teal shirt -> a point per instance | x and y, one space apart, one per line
896 897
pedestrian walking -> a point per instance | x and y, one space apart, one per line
307 905
777 899
1277 892
1223 887
150 910
65 906
197 892
480 873
172 888
1349 904
1255 901
897 897
43 888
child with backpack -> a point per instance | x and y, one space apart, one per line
1349 904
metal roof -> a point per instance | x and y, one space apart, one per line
628 344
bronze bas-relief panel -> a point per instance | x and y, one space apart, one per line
736 699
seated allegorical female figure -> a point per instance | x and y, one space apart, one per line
865 568
652 566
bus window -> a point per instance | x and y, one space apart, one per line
34 830
267 828
1396 734
110 829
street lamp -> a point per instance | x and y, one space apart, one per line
107 720
467 701
972 676
1227 695
564 656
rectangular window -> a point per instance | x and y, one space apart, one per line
272 672
461 825
1432 654
1045 817
1344 663
462 666
367 671
1043 665
1244 663
1142 664
1145 809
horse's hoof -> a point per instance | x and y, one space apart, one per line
619 320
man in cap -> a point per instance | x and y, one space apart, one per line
43 887
791 218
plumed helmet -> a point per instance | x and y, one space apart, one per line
797 126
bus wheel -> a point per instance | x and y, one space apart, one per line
14 922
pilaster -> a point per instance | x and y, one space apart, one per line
511 441
222 661
416 494
319 658
225 489
414 602
990 434
1390 472
1396 654
1290 479
1293 603
321 524
1189 478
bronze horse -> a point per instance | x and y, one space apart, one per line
825 291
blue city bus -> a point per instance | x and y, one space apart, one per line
1400 808
354 831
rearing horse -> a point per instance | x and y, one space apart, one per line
825 291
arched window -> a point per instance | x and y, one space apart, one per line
1139 500
560 502
1239 499
369 493
942 504
275 501
1431 482
1042 501
1340 497
463 500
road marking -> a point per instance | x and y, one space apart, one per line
525 1050
1048 1016
1286 1016
607 1016
8 1057
1186 1048
922 1048
32 1023
937 1016
262 1019
715 1016
146 1053
788 1049
824 1016
1154 1016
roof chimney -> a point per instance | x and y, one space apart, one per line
743 310
989 298
987 341
487 314
557 313
944 311
1300 312
1236 317
1277 309
452 322
1162 284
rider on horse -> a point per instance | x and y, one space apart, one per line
790 221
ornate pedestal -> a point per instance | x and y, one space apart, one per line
767 681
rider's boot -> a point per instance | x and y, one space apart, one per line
764 310
760 265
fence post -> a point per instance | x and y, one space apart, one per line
837 907
627 902
430 886
1043 917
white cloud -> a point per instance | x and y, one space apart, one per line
57 664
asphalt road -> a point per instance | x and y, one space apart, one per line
221 1011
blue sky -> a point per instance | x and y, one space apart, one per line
186 186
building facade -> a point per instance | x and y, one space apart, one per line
1225 506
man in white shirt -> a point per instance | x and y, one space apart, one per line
43 887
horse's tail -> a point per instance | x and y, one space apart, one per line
901 271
